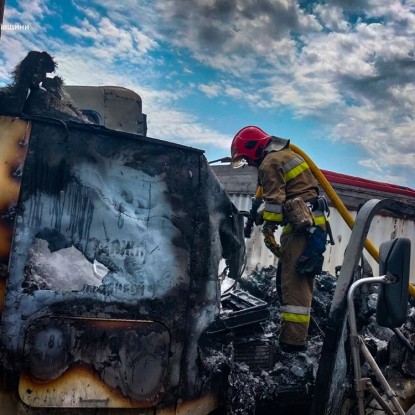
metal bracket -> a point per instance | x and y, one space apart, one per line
363 384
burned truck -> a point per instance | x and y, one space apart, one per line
111 244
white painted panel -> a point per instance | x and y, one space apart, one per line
382 228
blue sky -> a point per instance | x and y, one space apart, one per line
336 77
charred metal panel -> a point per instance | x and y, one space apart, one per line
116 250
2 2
133 360
14 137
239 309
257 353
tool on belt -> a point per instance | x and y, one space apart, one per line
310 262
323 207
299 215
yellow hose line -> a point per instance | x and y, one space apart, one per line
334 198
327 187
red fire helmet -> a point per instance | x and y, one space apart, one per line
248 146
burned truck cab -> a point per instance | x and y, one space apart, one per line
113 272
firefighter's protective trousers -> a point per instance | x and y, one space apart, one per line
296 289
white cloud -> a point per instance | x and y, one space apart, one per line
372 164
84 30
110 40
210 90
332 17
28 12
182 128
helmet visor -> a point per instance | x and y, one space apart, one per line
238 162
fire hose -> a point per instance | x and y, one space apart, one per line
337 202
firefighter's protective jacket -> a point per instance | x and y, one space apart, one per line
283 175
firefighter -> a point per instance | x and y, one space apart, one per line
291 199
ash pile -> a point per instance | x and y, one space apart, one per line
394 352
242 344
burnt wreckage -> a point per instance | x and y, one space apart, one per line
113 271
111 245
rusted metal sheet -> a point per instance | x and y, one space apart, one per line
114 271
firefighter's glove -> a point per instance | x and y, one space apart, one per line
259 218
252 218
248 229
269 239
310 262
